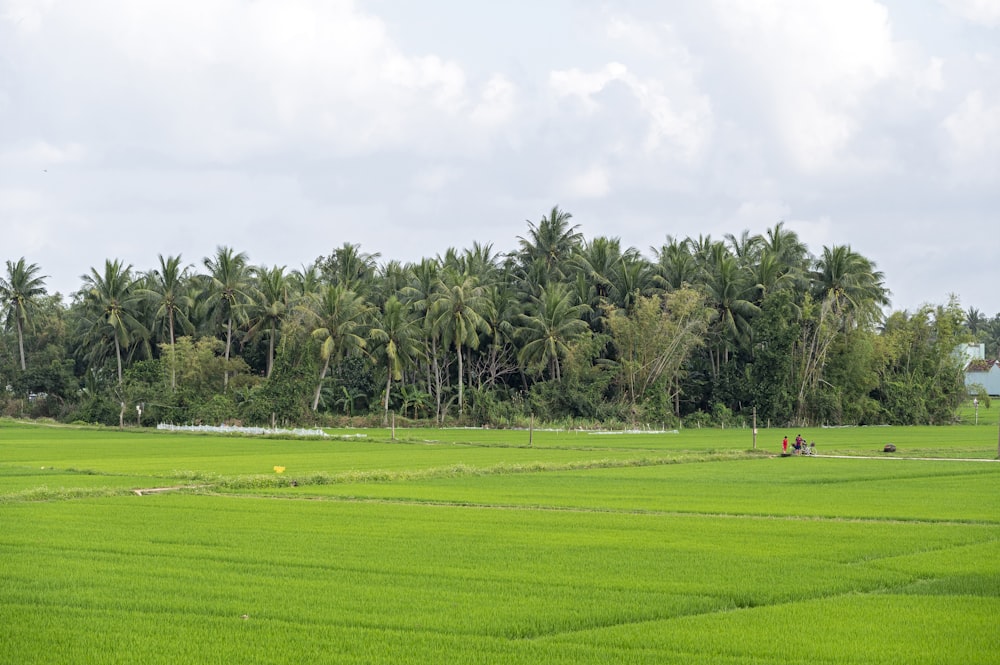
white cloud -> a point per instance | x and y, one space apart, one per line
226 79
679 127
435 178
984 12
974 131
497 102
753 214
27 222
25 15
814 62
42 154
590 183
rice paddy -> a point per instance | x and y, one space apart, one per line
472 546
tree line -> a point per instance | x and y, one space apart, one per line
564 329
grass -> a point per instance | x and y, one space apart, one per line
467 546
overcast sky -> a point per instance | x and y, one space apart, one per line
285 128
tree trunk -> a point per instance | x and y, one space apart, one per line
270 353
461 394
173 359
388 387
437 380
118 355
20 339
229 342
319 386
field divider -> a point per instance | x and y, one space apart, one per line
266 481
648 512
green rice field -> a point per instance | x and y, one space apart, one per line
495 546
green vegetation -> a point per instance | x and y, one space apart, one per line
467 545
564 330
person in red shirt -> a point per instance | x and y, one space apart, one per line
784 445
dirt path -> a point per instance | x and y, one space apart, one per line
158 490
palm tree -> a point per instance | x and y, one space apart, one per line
480 261
338 316
501 309
167 289
18 294
270 308
594 266
729 291
552 322
745 248
633 276
675 264
850 284
306 280
551 243
786 246
397 335
109 303
769 275
974 320
351 268
392 278
228 292
418 294
456 309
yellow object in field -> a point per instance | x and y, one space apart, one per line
279 469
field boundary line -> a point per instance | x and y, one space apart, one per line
159 490
919 459
646 512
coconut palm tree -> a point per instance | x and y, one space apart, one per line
786 246
418 294
974 320
456 313
167 288
851 285
594 267
306 280
397 336
351 268
228 293
675 264
729 291
109 305
337 317
552 322
633 276
551 243
270 307
19 292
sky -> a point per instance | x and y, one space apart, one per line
286 128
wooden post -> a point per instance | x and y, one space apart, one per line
755 428
531 431
393 425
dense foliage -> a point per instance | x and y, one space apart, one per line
564 329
